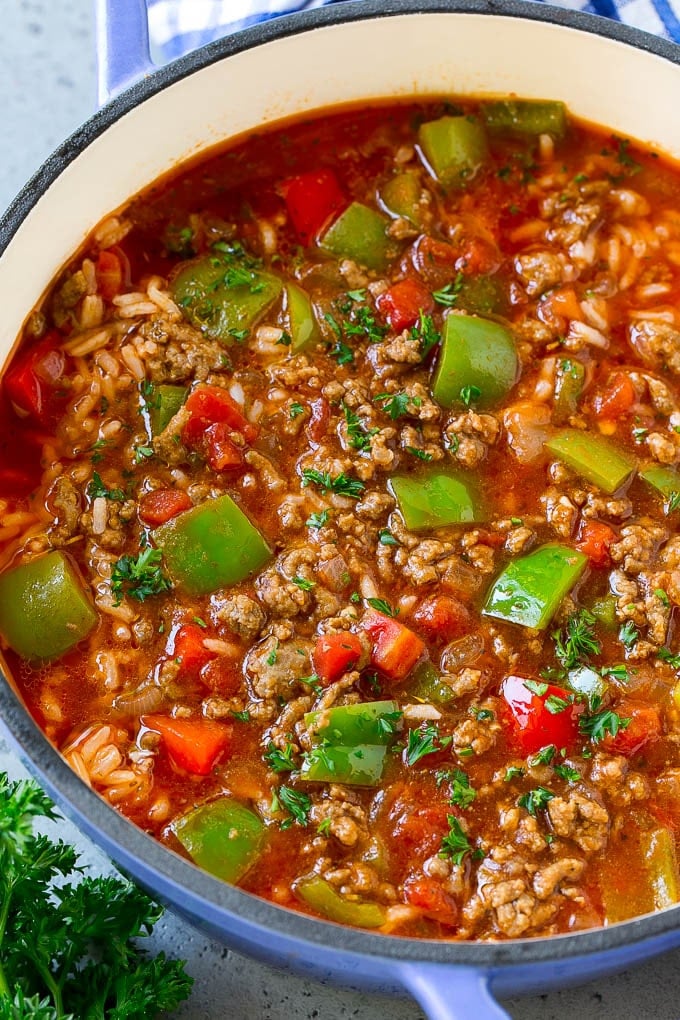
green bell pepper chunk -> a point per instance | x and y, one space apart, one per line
529 591
569 380
164 403
302 324
604 611
483 295
658 849
360 765
44 608
476 353
594 458
525 117
401 197
222 837
211 546
433 501
428 685
359 233
665 480
374 722
322 897
454 147
221 297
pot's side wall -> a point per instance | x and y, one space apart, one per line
602 80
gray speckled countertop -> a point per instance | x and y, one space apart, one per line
46 89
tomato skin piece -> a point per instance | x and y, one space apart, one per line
221 452
189 651
616 399
109 273
644 727
335 654
531 725
32 378
192 744
161 505
221 675
594 540
312 199
396 649
402 304
208 405
428 895
443 618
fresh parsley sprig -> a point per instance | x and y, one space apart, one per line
138 577
341 485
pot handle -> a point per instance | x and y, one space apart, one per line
122 33
450 993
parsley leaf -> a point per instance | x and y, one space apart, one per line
341 484
513 772
672 503
470 394
383 607
628 634
357 436
297 804
576 641
296 409
567 772
536 687
544 756
425 333
456 845
280 760
423 741
97 488
138 577
319 520
666 655
394 404
448 295
599 724
385 537
535 800
303 583
461 793
420 454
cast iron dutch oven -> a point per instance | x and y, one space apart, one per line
348 52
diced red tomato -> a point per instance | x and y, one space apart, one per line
531 723
320 420
221 451
109 272
434 261
33 377
189 651
643 728
334 654
396 649
312 199
402 304
222 675
443 618
428 895
162 505
208 405
594 539
419 831
192 744
479 257
616 399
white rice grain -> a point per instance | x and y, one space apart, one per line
99 515
91 311
581 331
132 362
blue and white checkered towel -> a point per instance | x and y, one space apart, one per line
177 26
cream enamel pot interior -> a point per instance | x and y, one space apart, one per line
346 53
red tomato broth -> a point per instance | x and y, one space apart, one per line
385 843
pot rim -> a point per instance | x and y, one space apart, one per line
205 894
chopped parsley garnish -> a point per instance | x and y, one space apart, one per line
448 295
619 672
598 725
423 741
138 577
470 394
303 583
324 827
313 681
341 484
628 634
200 622
142 453
280 760
271 658
577 640
150 396
666 655
296 410
362 323
535 800
394 404
297 804
456 845
544 756
662 597
624 157
567 772
639 434
513 772
672 503
357 436
319 520
425 334
420 454
536 687
242 716
342 353
383 607
96 448
385 537
285 340
388 722
555 704
461 793
97 488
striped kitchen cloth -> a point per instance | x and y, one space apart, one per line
178 26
